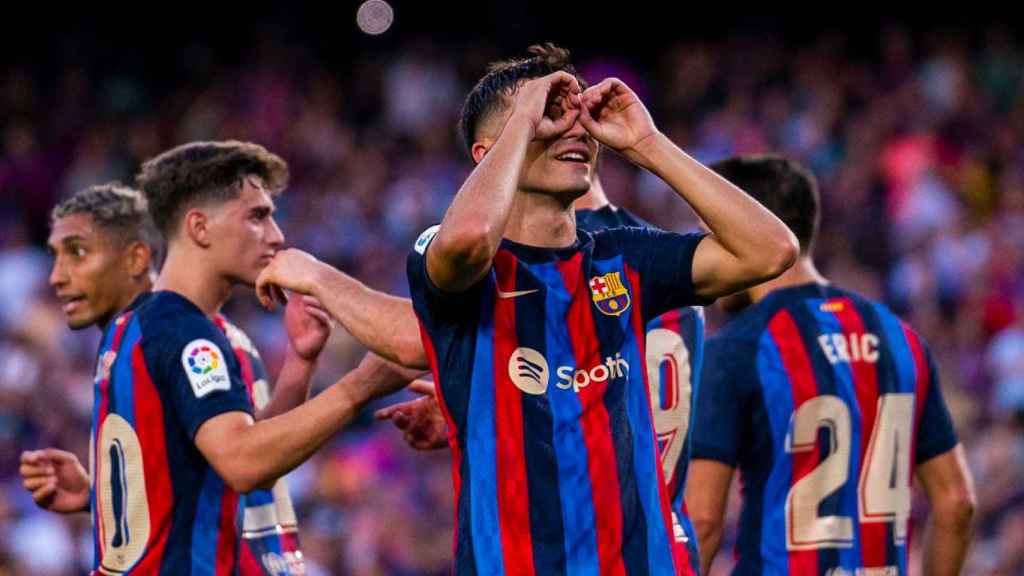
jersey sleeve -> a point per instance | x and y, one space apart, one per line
195 367
434 307
664 262
722 403
935 432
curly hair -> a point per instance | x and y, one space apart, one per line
187 175
503 79
116 209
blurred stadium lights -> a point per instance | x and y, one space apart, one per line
374 17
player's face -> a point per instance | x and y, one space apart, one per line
246 237
561 167
90 276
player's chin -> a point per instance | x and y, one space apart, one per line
572 183
249 277
80 319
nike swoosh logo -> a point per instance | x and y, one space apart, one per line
516 294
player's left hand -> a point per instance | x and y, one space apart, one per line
308 326
420 420
614 116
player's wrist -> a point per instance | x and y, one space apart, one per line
325 279
645 151
520 124
354 392
302 360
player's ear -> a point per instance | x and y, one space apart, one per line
138 258
480 149
197 227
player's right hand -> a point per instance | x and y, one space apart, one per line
551 104
290 269
56 479
420 420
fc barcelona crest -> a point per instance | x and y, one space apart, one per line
610 296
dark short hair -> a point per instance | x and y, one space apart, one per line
503 78
184 176
783 186
118 210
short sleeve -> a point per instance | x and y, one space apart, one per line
194 366
435 307
935 432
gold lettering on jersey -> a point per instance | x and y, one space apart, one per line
846 348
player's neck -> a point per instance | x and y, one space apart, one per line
803 272
541 220
199 284
143 286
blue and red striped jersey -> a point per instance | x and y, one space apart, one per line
826 402
541 375
269 528
675 352
158 506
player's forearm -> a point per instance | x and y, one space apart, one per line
762 244
474 224
948 534
263 452
709 540
945 547
383 323
947 481
291 388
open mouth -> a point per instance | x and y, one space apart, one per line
574 156
70 303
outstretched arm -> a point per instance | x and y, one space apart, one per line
385 324
249 454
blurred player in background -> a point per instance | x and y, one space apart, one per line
105 250
174 437
828 404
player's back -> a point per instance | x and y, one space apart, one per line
158 506
825 401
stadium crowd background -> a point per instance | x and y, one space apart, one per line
916 135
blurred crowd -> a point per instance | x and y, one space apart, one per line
918 143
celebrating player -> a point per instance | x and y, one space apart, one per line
534 329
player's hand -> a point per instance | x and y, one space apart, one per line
308 326
420 420
615 117
290 269
56 479
551 104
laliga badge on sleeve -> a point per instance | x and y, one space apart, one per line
424 240
205 367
